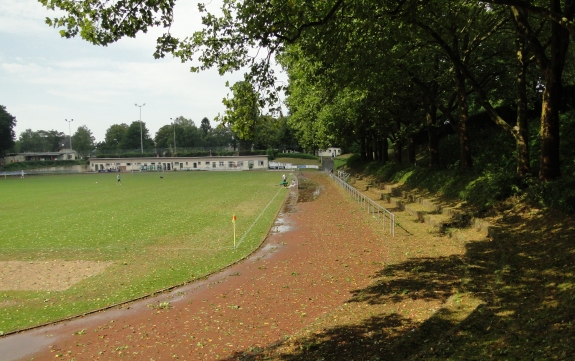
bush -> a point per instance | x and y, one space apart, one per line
559 194
296 155
355 162
491 187
271 154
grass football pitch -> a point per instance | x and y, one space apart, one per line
75 243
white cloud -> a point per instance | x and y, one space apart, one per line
47 79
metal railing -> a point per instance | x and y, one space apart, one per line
373 208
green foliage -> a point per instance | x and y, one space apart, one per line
559 194
355 162
242 110
490 188
83 141
40 141
297 155
7 135
115 136
271 154
568 142
136 137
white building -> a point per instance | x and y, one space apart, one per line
214 163
329 152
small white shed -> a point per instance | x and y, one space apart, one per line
329 152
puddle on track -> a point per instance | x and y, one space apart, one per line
308 191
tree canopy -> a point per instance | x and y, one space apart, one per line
7 135
371 73
83 141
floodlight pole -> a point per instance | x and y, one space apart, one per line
70 130
141 136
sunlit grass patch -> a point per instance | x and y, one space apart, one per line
151 232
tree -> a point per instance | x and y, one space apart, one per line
242 110
220 136
165 136
457 30
83 140
7 135
115 135
137 137
41 141
205 126
187 133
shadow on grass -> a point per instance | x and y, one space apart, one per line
519 290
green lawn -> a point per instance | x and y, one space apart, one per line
154 232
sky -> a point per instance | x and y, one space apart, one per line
45 79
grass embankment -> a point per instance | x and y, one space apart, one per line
150 233
509 297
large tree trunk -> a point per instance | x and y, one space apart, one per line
362 148
550 160
411 150
462 131
552 71
369 148
397 145
379 150
522 138
432 138
385 150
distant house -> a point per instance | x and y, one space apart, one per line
64 154
329 152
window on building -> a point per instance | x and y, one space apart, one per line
128 163
208 164
240 163
221 164
261 163
230 164
213 164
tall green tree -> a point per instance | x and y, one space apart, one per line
137 137
7 135
165 136
220 136
205 126
83 140
41 141
187 133
242 110
114 137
